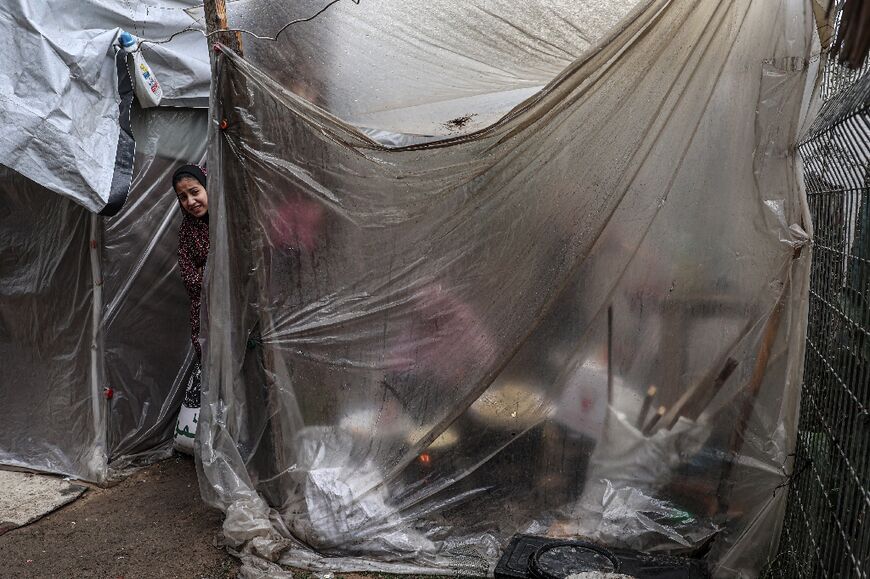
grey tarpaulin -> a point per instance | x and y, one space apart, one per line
408 352
45 329
78 317
59 90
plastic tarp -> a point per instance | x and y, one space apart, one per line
443 71
146 341
61 88
90 303
416 352
47 420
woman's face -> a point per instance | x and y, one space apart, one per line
192 196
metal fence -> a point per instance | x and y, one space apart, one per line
826 532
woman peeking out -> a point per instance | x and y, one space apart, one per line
189 185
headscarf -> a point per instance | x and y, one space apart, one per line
189 171
192 251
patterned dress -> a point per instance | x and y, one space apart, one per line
192 254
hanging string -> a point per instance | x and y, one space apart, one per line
242 30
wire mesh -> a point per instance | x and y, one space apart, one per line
824 533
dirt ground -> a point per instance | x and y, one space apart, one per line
153 524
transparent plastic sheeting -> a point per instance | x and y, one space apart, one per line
439 68
59 91
47 415
408 356
54 368
146 341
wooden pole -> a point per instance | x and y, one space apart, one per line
609 355
750 393
853 38
648 429
217 28
269 363
644 409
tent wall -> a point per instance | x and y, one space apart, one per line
147 349
54 415
47 403
416 352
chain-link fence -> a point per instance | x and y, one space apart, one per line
826 531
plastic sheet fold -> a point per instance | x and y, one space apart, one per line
146 336
415 352
91 305
60 88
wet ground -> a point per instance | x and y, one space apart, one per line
153 524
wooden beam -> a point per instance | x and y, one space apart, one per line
750 394
284 419
216 21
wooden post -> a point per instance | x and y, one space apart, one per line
216 20
272 369
609 355
269 363
750 394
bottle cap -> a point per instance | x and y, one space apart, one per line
126 40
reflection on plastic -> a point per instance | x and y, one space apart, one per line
410 355
66 407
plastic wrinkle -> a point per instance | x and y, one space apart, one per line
437 306
60 109
96 413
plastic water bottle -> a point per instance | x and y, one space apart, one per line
148 90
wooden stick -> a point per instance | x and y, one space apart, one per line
610 354
655 420
703 400
752 389
709 380
644 409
